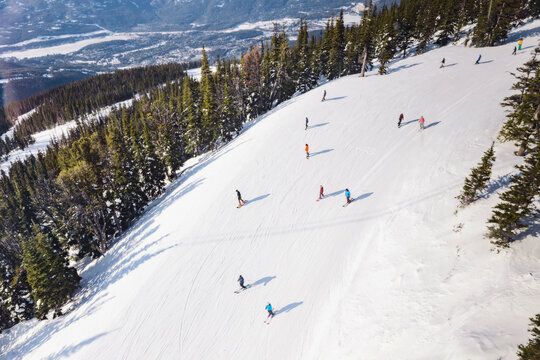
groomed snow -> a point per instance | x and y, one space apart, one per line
384 278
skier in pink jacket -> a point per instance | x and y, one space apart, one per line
422 122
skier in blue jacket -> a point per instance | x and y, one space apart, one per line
478 60
241 282
270 311
348 195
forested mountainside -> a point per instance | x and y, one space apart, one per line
67 103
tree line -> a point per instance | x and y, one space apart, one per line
89 186
69 102
517 211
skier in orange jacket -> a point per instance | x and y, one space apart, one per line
307 151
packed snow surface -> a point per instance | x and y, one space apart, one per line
391 276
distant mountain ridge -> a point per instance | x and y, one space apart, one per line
21 20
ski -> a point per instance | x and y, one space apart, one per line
239 206
242 289
348 202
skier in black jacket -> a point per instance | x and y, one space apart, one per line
241 282
240 201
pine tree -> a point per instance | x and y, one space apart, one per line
153 169
125 193
315 66
447 22
531 351
367 35
478 179
208 107
517 202
523 122
231 122
405 22
16 304
386 40
495 20
252 79
337 49
190 119
326 46
281 69
303 64
52 281
426 26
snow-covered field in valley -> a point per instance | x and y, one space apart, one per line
390 276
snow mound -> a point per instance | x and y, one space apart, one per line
391 274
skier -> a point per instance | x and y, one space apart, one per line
321 193
514 52
348 196
478 60
307 151
442 63
520 43
240 201
307 121
400 120
324 96
421 121
241 282
270 311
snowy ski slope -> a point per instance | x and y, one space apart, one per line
383 278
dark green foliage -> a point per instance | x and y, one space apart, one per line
68 102
337 48
495 19
518 205
478 179
523 124
16 303
304 56
209 117
531 351
52 281
152 167
518 209
192 136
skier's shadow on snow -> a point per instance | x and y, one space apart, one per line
403 67
431 124
320 152
454 64
264 281
318 125
335 193
363 196
249 201
289 307
335 98
484 62
409 122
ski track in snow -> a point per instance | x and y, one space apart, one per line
391 276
